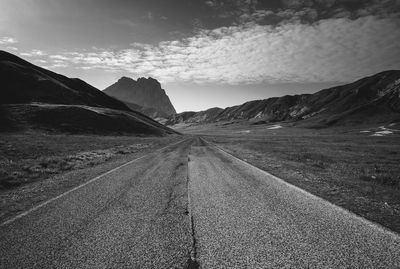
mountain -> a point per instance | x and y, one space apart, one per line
32 97
209 115
145 92
148 111
23 82
374 99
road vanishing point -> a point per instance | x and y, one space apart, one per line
192 205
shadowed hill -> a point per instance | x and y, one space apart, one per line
148 111
32 97
78 119
23 82
208 115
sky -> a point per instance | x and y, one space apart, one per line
207 53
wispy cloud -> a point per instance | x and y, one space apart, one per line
41 61
8 40
58 65
33 53
302 11
58 57
12 48
336 49
149 16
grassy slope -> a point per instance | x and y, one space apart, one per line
35 167
351 169
77 119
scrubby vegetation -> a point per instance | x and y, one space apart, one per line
31 157
36 166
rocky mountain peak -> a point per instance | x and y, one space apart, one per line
145 92
125 79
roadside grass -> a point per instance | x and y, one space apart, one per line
28 170
36 166
30 157
360 173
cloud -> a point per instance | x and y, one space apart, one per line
238 10
33 53
382 8
8 40
58 57
298 3
310 11
331 50
149 16
284 16
57 65
347 8
12 48
212 3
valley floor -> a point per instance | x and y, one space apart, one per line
192 205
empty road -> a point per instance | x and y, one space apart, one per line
192 201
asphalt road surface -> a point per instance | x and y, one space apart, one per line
190 204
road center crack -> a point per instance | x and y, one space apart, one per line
192 262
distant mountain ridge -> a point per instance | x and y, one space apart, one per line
144 92
368 100
32 97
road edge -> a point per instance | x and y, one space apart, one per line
289 185
27 212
